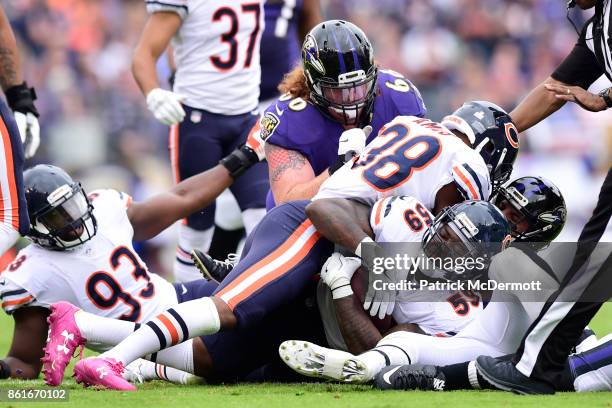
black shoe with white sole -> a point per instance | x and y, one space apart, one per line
212 269
503 375
411 377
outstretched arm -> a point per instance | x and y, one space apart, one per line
340 220
537 105
29 337
152 216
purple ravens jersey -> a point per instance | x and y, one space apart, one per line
280 49
297 125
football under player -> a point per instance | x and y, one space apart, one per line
83 253
502 323
213 102
285 251
338 86
19 138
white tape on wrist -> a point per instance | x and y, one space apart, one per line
342 291
366 240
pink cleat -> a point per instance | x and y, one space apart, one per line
64 338
103 372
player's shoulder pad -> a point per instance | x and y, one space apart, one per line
472 179
402 94
290 122
109 198
386 208
180 7
25 272
14 296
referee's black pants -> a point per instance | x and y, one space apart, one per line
544 349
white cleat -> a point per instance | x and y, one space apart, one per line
356 371
313 361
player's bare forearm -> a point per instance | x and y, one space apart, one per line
357 329
10 65
342 221
29 337
291 176
155 38
306 190
152 216
537 105
143 69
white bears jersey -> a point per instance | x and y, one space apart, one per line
412 157
441 313
103 276
216 52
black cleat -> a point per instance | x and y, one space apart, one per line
410 377
503 375
212 269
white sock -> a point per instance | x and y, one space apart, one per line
143 370
251 218
182 322
103 330
390 350
189 238
179 356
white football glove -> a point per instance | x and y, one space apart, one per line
29 130
337 273
353 140
166 106
257 144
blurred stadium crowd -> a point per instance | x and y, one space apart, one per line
77 53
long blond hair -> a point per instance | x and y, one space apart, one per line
294 82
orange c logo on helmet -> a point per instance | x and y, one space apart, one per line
512 134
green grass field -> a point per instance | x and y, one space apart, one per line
160 394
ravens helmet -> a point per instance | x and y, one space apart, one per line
491 133
338 63
60 213
472 230
541 205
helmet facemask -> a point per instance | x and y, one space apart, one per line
66 222
537 226
348 100
448 241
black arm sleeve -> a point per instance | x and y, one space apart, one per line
580 67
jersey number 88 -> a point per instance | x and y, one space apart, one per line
393 163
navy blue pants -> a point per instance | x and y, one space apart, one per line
13 207
204 138
271 291
282 255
